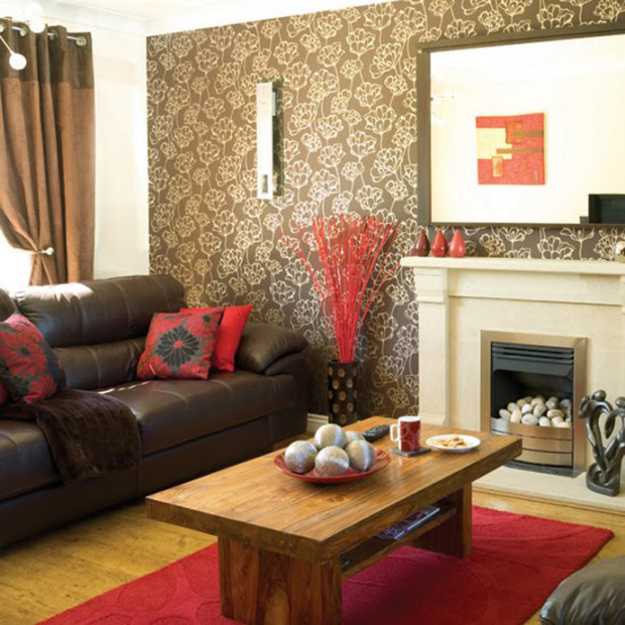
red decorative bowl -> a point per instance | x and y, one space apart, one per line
381 460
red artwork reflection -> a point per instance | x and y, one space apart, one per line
511 149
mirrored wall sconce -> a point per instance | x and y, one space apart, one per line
266 140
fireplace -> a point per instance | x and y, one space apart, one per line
532 385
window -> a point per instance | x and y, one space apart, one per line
14 266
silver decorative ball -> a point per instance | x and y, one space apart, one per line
361 455
330 435
299 456
353 436
331 461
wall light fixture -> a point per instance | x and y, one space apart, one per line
266 111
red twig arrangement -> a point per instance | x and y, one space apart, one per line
349 248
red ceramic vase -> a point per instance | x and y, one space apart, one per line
439 246
457 248
423 243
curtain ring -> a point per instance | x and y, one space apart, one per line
48 251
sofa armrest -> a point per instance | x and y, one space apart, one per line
7 305
292 421
262 344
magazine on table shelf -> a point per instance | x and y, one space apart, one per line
401 529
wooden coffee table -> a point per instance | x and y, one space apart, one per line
285 545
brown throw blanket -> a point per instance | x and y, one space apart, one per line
89 434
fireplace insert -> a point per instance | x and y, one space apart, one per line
532 386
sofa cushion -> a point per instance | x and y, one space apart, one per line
262 344
229 334
172 412
595 595
29 369
179 346
90 367
99 311
25 462
7 305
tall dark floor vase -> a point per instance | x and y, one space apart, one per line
342 392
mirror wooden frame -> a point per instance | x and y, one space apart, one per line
424 95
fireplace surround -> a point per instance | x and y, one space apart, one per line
515 365
458 298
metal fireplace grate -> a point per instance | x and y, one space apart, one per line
533 353
516 365
554 362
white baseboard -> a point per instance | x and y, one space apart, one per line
315 421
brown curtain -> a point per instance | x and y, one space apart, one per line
47 153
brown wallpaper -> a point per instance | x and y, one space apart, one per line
348 109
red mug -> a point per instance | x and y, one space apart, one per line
407 434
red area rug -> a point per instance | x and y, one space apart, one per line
517 561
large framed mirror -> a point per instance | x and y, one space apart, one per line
523 129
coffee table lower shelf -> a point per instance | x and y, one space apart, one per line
263 587
369 552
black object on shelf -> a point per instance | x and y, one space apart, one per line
606 208
402 528
373 434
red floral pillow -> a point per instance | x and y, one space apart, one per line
228 335
179 346
29 369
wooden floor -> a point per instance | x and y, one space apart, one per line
49 574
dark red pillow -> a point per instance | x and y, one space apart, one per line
228 335
3 395
29 369
179 346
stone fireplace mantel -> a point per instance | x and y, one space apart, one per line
531 265
459 298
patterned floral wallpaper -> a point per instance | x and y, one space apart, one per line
349 124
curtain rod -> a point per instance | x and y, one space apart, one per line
79 39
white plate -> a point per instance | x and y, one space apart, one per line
471 443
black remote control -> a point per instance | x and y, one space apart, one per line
374 433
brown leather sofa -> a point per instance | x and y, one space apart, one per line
188 427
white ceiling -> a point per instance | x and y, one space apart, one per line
143 10
163 16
